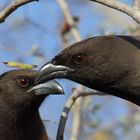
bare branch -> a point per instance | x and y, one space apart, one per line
11 8
69 19
137 4
70 102
131 11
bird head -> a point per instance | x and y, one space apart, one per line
72 63
107 63
18 91
86 62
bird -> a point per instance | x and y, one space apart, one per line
19 103
110 64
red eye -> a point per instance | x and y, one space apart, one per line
79 59
23 82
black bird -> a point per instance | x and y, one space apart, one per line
19 103
110 64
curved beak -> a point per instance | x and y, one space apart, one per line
50 87
50 71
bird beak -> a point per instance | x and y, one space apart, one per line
50 71
50 87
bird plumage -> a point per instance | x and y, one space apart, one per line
19 115
110 64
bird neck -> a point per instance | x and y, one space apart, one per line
125 88
32 128
123 82
28 127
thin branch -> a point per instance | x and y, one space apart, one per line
131 11
137 4
11 8
77 116
70 102
69 19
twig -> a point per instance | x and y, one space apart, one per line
137 4
11 8
49 121
69 19
70 102
131 11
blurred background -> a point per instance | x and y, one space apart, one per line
38 31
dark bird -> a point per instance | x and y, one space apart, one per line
19 103
110 64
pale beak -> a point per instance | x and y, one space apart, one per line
50 71
49 87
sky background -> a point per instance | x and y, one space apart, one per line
32 35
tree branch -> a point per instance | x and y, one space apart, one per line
69 18
131 11
11 8
137 4
70 102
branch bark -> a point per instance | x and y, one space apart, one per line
69 18
11 8
133 12
70 102
137 4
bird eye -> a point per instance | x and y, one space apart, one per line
23 82
79 59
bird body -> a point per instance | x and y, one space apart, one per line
110 64
19 115
29 129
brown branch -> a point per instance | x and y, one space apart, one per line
131 11
11 8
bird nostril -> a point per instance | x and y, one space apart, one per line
54 62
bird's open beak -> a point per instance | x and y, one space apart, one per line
50 71
50 87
